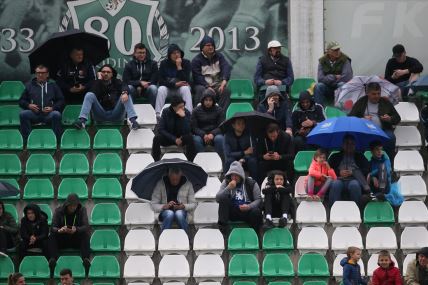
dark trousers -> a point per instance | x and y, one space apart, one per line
228 212
6 240
28 117
159 140
41 244
78 241
277 204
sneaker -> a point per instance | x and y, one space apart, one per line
135 126
282 222
268 225
79 124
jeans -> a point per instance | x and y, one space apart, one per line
150 93
218 143
91 103
323 90
339 187
27 117
403 88
168 216
164 92
320 191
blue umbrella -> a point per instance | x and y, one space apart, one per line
421 84
330 133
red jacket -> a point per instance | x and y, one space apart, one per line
389 276
317 170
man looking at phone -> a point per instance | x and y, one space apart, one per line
42 102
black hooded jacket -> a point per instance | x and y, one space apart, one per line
206 120
136 71
168 73
314 113
79 218
70 74
39 227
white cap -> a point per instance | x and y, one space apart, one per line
272 44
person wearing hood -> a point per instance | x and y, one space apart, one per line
141 75
174 129
206 119
417 269
8 231
276 106
239 199
379 177
34 231
351 268
108 101
305 117
75 76
174 79
386 273
70 229
41 102
211 70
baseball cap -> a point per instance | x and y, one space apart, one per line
272 44
333 45
397 50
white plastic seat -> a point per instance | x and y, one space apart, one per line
139 241
413 187
171 148
409 258
173 241
345 213
136 163
209 283
210 162
413 239
140 140
206 214
408 162
208 267
412 213
312 239
379 238
139 268
146 116
408 137
311 214
344 237
130 195
209 191
299 189
174 268
174 283
170 155
338 269
408 112
139 215
208 241
372 263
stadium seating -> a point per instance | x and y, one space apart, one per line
409 258
6 267
372 264
105 241
34 267
209 191
74 263
338 269
136 163
344 237
412 213
107 189
408 162
210 162
38 189
208 241
278 239
40 165
139 215
413 239
9 116
413 186
139 241
407 137
277 266
378 214
174 268
243 266
241 90
173 241
312 265
208 267
11 90
105 214
311 214
11 141
48 211
75 141
303 160
299 189
408 112
11 209
243 240
352 217
42 140
171 155
146 116
72 185
332 112
140 140
70 114
139 268
130 195
108 140
74 164
299 85
104 267
107 164
379 238
238 107
206 214
312 239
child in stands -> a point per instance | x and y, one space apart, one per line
320 176
351 268
386 273
379 177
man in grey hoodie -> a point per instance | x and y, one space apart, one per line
239 199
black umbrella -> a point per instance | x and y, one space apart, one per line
255 122
7 190
56 48
144 183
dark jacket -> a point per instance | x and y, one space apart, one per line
327 70
70 74
375 167
172 126
79 217
283 146
281 112
234 146
43 95
136 71
360 160
388 276
314 113
351 273
108 93
412 64
39 227
385 107
206 120
280 69
168 73
7 221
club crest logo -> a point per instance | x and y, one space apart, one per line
112 6
326 125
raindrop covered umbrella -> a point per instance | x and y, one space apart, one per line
421 84
7 190
255 121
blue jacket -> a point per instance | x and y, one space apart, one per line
172 126
281 112
234 146
351 273
375 164
168 73
43 95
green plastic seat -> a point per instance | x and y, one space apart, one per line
48 211
9 116
244 266
279 283
106 214
11 209
276 265
38 189
74 164
10 165
315 283
11 140
41 140
74 263
299 85
278 239
11 90
14 183
332 112
72 185
244 283
34 267
104 267
243 239
108 139
312 265
105 241
238 107
40 165
368 154
107 189
75 140
379 214
6 267
303 160
241 89
70 114
107 164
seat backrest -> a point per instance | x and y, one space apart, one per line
378 213
34 267
11 140
72 262
104 266
75 140
106 214
108 139
313 264
6 267
105 240
278 238
41 139
277 264
72 185
243 239
40 164
107 188
238 107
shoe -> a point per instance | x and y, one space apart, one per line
135 126
3 254
282 222
79 124
380 197
268 225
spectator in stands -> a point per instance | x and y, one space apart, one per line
239 146
239 200
275 152
305 117
320 176
206 119
274 68
278 201
351 168
8 231
417 269
401 69
379 177
351 268
34 231
380 111
274 104
141 75
386 273
108 100
211 70
174 79
42 102
66 277
16 279
334 69
70 229
173 198
75 76
424 119
174 129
